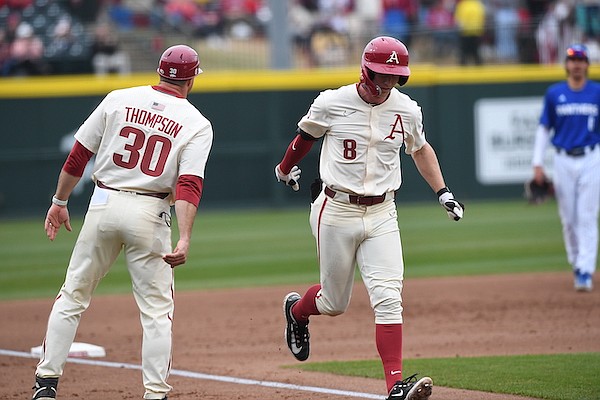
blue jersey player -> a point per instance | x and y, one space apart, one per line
569 121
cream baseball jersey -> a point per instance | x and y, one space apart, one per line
144 138
361 145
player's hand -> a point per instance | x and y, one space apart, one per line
453 207
290 179
56 216
538 175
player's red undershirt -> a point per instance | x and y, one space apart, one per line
298 148
167 91
188 188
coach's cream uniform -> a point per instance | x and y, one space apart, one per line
144 139
360 155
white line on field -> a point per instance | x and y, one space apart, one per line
199 375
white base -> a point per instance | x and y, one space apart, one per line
77 350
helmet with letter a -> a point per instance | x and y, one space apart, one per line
179 63
384 55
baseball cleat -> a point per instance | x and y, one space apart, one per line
44 388
296 334
583 282
411 388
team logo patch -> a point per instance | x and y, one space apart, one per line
393 58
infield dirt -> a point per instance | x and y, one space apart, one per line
239 333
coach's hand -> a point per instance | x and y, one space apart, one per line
56 216
453 207
290 179
179 254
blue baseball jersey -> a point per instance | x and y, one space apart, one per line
572 114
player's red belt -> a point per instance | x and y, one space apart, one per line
354 199
157 195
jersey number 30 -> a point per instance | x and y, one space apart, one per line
153 155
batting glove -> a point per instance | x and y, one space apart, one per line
453 207
290 179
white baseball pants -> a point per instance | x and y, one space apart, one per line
114 221
368 236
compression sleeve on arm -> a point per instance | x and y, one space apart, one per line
77 160
542 138
189 188
298 148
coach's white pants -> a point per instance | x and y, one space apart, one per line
368 236
118 221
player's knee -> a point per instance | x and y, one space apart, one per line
333 313
391 307
388 308
331 308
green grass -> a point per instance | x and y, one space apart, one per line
553 377
235 248
268 247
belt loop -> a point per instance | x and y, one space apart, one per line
330 192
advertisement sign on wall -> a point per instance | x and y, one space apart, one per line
504 139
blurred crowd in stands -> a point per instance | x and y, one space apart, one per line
466 31
43 37
46 37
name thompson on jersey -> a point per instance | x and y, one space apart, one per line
154 121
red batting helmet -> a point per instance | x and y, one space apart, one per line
384 55
179 63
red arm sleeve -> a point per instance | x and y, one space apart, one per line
77 160
189 188
298 148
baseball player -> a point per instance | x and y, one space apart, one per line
569 121
353 215
151 146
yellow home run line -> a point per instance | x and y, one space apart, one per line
279 80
